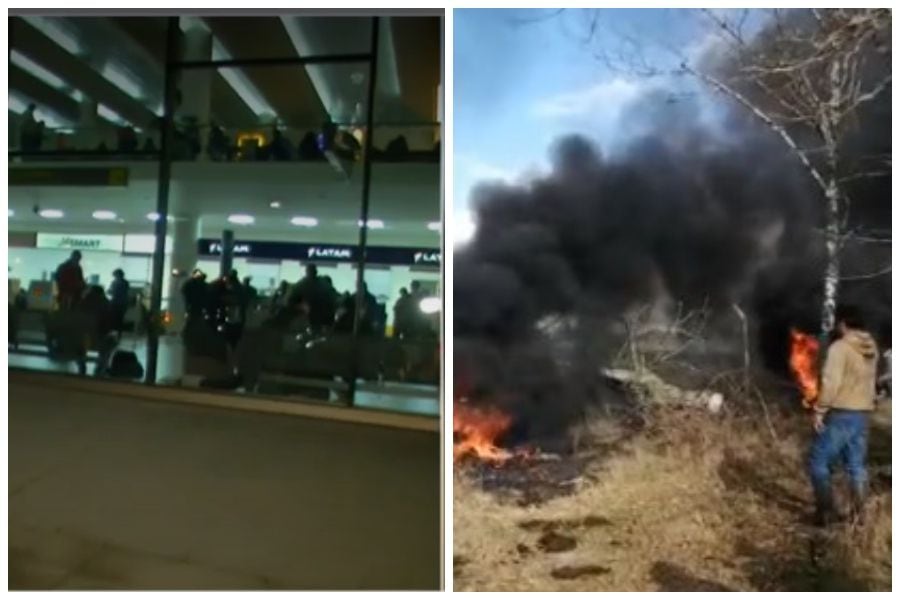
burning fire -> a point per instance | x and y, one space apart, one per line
804 365
476 431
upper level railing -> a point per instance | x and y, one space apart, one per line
209 143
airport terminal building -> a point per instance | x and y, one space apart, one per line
268 187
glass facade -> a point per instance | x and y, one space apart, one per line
242 204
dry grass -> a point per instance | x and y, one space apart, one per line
691 504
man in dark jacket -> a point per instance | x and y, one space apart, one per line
70 283
119 292
195 292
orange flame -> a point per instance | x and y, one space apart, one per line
476 431
804 365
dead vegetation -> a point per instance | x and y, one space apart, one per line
693 502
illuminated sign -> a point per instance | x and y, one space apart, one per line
329 253
239 249
105 243
427 258
376 255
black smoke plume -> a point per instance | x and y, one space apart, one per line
696 215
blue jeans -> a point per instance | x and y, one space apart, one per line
846 437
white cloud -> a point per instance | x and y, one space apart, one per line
477 169
607 97
704 47
463 228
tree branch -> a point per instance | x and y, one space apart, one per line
873 93
768 120
880 273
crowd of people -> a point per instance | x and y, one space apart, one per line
73 290
226 304
86 318
89 318
188 143
233 333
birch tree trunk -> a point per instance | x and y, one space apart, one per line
832 256
829 123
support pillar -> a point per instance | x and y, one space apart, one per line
183 260
227 252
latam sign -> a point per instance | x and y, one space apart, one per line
427 258
329 253
381 255
240 248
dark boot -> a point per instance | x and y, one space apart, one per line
825 512
857 510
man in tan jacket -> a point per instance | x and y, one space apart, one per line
841 414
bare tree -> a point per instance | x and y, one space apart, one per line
804 74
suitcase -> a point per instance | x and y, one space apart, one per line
125 365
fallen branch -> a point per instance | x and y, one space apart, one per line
650 388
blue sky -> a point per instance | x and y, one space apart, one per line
523 78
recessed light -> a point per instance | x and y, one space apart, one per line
305 221
51 213
241 219
434 226
275 204
373 224
104 215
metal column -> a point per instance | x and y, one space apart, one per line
364 209
162 199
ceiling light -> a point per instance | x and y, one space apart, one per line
373 224
240 83
105 112
154 216
434 226
10 212
275 204
122 79
104 215
430 305
28 65
19 104
54 30
51 213
304 221
241 219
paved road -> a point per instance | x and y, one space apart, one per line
117 493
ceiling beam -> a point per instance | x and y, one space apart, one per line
80 75
43 94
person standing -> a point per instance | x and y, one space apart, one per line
841 414
234 308
31 132
195 293
403 314
119 292
70 283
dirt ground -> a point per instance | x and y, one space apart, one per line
692 503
